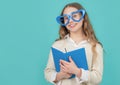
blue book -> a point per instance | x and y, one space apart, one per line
78 56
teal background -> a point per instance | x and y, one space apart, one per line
28 29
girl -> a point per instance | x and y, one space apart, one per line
76 32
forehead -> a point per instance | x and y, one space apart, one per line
68 10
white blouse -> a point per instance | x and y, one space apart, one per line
93 76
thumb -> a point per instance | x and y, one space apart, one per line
70 59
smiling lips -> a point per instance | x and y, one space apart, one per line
72 25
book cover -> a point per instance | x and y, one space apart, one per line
78 56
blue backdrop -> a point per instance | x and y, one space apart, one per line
28 29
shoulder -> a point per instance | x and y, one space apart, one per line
58 43
99 47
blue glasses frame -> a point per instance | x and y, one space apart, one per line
70 16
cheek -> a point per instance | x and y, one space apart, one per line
67 26
80 23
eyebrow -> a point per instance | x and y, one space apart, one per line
70 12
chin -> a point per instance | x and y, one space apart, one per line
73 30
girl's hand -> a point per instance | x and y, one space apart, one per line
70 67
65 75
62 75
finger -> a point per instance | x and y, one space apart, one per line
63 68
65 65
64 62
61 65
70 59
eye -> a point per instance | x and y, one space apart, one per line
75 15
65 18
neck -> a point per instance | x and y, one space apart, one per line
77 36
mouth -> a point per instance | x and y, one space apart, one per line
72 25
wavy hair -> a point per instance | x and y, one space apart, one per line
87 29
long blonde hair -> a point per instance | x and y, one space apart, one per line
87 29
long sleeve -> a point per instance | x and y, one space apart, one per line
96 72
49 71
92 76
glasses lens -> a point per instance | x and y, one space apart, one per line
63 20
77 15
66 19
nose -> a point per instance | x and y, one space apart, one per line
70 20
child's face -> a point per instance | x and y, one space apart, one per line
72 25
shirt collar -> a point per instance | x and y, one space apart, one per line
71 41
